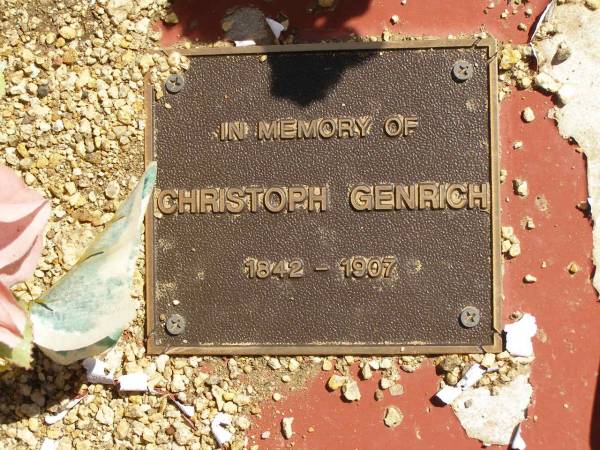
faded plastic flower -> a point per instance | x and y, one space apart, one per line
12 319
23 216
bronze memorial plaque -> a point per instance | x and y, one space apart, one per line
326 199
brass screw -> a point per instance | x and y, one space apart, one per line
462 70
175 325
174 83
469 317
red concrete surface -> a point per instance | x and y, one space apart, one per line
200 21
567 349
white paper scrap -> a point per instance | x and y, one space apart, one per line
472 376
134 382
97 371
548 10
276 27
448 394
49 444
186 409
217 426
517 442
52 419
245 43
519 334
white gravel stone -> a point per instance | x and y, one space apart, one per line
521 187
374 364
393 417
183 435
230 408
385 383
366 373
161 362
293 365
529 278
179 382
28 437
396 390
528 115
336 381
546 83
67 32
386 363
350 391
515 250
112 190
142 25
119 9
105 415
243 423
29 179
488 360
286 427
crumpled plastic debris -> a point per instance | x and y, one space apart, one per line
51 419
134 382
49 444
276 27
86 311
217 426
472 376
245 43
547 10
97 371
450 393
517 442
519 334
188 410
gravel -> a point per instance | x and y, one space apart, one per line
73 127
393 417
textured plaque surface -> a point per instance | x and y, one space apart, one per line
331 261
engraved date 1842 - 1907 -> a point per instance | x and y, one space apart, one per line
352 267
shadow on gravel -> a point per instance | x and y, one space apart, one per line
38 391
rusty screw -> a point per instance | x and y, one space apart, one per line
174 83
470 316
175 324
462 70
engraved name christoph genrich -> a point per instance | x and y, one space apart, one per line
329 199
275 199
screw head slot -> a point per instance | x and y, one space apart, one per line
470 317
462 70
174 83
175 324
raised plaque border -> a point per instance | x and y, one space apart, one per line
354 349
